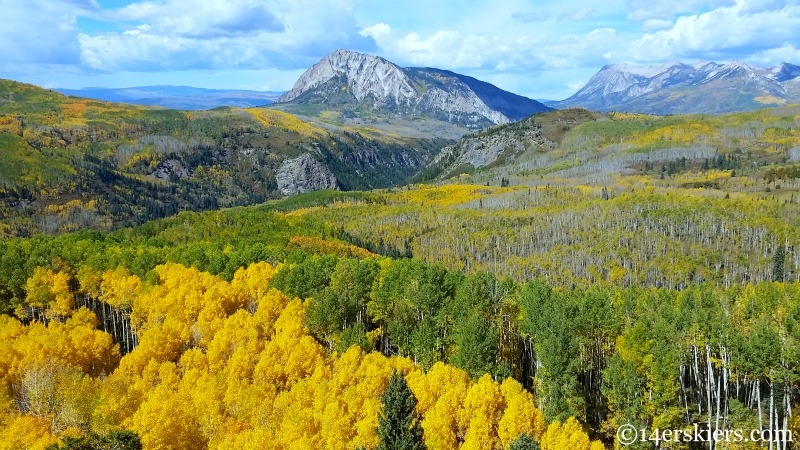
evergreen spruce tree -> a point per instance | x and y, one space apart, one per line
114 440
777 263
398 424
523 442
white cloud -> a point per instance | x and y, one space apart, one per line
656 25
545 47
668 9
380 32
204 19
41 31
215 34
774 56
456 50
726 32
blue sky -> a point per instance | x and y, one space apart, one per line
541 49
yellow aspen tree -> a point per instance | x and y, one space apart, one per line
299 422
359 389
118 288
10 330
49 291
26 432
90 281
165 420
363 395
206 391
37 288
258 438
62 299
219 301
94 351
161 342
291 354
121 395
255 278
441 394
520 415
569 436
270 307
482 409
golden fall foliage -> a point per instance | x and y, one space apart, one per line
279 119
229 365
448 195
316 245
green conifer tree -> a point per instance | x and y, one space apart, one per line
523 442
398 424
777 263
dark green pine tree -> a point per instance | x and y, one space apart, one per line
777 263
398 424
523 442
115 440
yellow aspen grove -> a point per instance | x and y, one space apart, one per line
26 432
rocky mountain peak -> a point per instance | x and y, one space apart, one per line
366 76
784 72
704 87
355 83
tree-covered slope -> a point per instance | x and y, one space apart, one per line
122 336
584 146
68 160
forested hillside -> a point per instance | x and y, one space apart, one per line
601 270
232 359
71 163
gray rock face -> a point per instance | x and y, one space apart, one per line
304 174
483 150
366 75
460 105
169 167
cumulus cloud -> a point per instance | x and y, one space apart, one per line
668 9
457 50
216 34
725 32
203 19
41 31
773 56
513 42
656 25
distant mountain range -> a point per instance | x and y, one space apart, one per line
676 88
350 88
359 87
177 97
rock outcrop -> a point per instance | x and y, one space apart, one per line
304 174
